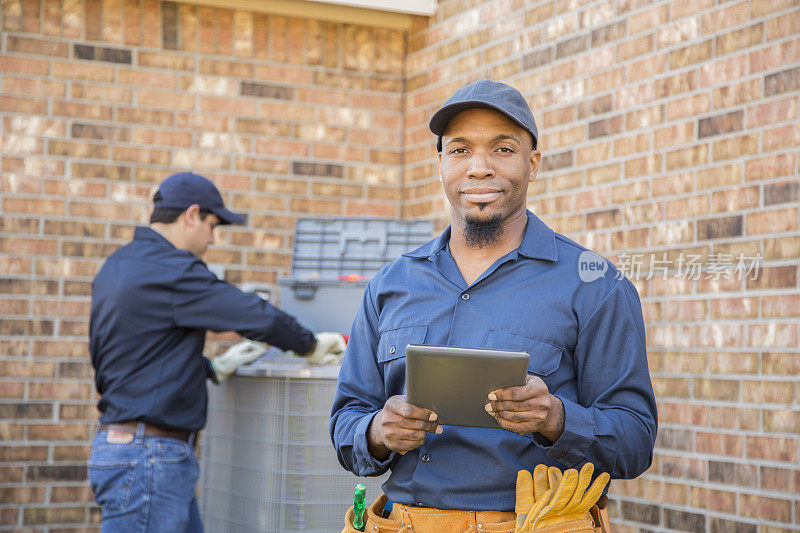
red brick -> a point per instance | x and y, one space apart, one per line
717 389
780 479
10 453
735 40
80 71
770 167
53 515
682 31
24 65
774 277
20 495
733 418
759 9
780 364
784 54
165 60
773 392
772 335
112 20
29 106
690 55
72 14
713 499
723 71
188 27
719 176
104 93
727 17
774 221
165 100
82 111
151 18
132 30
780 306
71 494
279 33
690 106
33 87
781 420
781 138
765 508
782 248
46 47
735 147
687 157
673 135
673 184
737 93
772 112
138 77
229 106
782 26
735 199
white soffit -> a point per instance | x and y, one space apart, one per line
413 7
395 14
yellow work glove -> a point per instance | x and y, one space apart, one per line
551 497
532 495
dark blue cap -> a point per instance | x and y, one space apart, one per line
490 94
185 189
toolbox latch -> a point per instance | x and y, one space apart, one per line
304 289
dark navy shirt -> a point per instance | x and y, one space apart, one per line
151 307
586 341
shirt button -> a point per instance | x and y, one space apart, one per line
392 349
465 296
426 458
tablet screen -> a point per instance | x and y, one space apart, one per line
455 382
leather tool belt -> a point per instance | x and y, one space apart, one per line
406 519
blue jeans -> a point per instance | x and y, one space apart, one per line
146 485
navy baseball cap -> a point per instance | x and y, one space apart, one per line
485 93
185 189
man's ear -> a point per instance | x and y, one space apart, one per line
440 167
191 216
536 159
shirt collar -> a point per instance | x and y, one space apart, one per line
144 233
539 242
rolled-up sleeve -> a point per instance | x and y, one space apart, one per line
201 301
613 424
359 394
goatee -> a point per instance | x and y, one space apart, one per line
480 232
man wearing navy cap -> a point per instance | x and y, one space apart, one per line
497 278
152 302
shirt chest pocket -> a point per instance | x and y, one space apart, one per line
393 342
545 357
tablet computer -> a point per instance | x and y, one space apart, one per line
455 382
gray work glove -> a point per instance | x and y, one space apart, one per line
237 355
328 351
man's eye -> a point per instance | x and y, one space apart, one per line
506 149
458 151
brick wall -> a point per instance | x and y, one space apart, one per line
101 99
670 138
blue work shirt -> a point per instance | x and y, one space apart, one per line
585 339
151 307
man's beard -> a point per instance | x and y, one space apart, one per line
480 232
